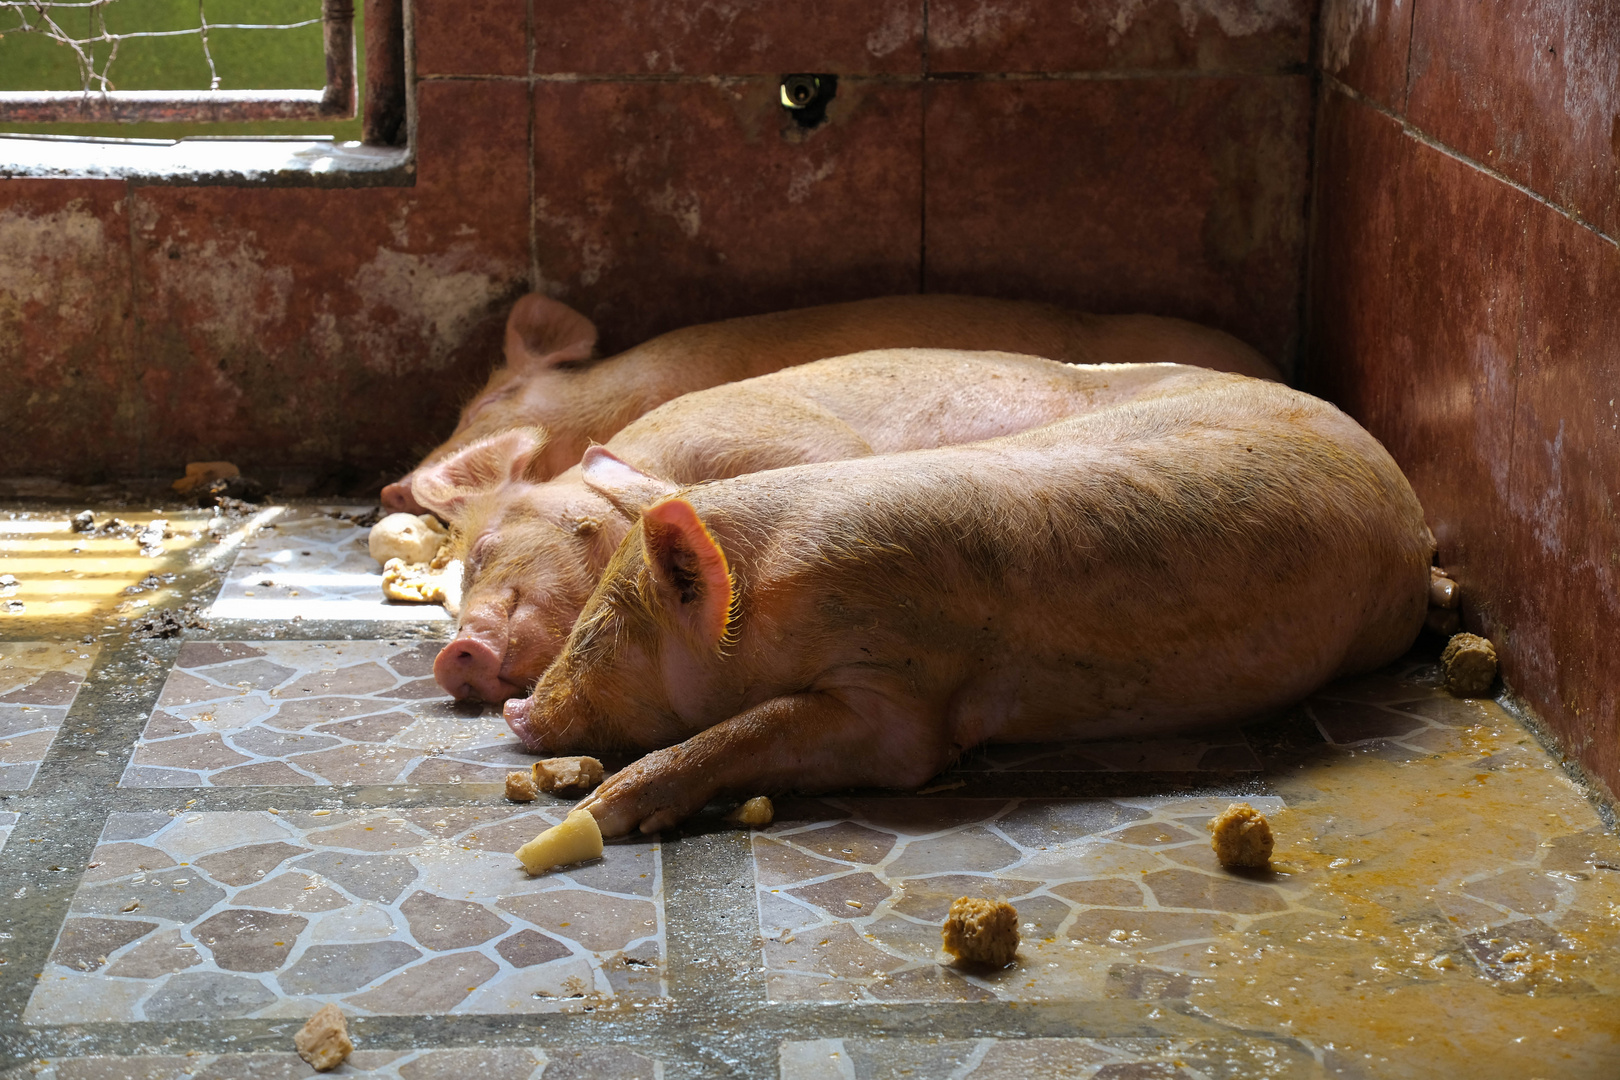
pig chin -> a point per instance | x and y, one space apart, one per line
554 719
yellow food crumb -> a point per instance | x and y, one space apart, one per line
756 813
981 931
324 1040
1469 665
573 774
577 839
1241 836
520 787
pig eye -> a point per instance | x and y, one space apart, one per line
480 551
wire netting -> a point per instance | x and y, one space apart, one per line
92 33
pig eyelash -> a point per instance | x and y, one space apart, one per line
728 639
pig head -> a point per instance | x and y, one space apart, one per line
1160 565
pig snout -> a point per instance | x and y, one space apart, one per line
398 499
469 668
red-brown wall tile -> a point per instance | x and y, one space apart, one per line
1364 45
65 328
1203 35
1452 364
490 37
663 204
1359 157
1415 326
843 37
1172 196
1473 329
1528 87
1564 491
310 326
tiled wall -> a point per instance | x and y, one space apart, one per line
1464 304
630 157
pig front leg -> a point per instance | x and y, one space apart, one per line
801 742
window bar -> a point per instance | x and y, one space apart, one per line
335 102
384 121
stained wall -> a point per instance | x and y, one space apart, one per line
630 157
1464 304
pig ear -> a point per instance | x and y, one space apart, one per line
625 486
689 567
542 333
446 486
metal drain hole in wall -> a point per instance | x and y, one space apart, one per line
805 97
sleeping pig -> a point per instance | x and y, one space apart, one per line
532 551
553 381
1185 559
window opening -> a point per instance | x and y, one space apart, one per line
95 32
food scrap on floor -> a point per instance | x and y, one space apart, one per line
979 931
567 775
520 786
576 840
1469 664
324 1041
1241 836
412 538
756 813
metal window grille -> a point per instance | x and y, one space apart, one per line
100 101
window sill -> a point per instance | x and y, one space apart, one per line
289 161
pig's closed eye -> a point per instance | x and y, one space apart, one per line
480 552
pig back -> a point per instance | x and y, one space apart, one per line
1189 558
877 401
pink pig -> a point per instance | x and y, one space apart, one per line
554 381
1183 560
533 551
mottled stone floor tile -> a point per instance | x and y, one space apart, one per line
38 682
8 821
1215 751
236 714
1045 1059
850 909
486 1063
312 563
229 914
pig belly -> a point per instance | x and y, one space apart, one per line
1160 677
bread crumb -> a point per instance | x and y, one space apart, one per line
571 774
520 786
323 1041
756 813
577 839
1241 836
1469 664
413 538
981 931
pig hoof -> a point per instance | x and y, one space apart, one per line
648 796
1443 591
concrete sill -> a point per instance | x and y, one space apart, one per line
285 161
